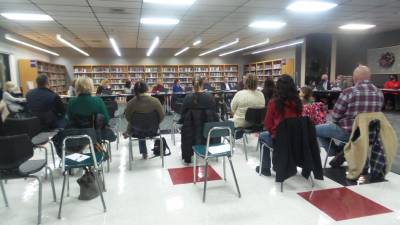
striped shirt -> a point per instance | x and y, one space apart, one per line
364 97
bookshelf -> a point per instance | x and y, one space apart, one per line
270 69
118 74
30 69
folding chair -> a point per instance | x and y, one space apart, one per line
215 130
333 141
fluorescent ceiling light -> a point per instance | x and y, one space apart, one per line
245 48
182 51
266 24
220 47
27 16
8 37
311 6
279 47
153 46
197 42
65 42
171 2
115 46
159 21
354 26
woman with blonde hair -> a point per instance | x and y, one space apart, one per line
13 103
104 88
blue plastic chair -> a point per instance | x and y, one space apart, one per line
95 161
215 130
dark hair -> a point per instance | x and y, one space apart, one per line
308 93
128 84
197 86
251 82
42 80
286 91
394 76
140 88
176 81
269 89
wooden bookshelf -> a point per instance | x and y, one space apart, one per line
270 69
118 74
30 69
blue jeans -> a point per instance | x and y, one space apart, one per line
142 147
330 130
266 138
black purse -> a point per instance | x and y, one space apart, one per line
157 147
88 186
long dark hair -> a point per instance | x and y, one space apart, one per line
140 88
197 87
269 88
286 92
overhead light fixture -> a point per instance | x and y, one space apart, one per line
159 21
27 16
8 37
267 24
220 47
297 42
245 48
197 42
171 2
182 51
354 26
153 46
65 42
115 46
311 6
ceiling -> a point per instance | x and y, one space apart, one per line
88 23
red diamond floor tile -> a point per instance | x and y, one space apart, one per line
343 204
185 175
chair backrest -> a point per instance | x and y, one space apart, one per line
218 130
47 119
83 121
14 151
30 126
145 124
112 107
255 116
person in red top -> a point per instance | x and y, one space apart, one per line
284 104
392 83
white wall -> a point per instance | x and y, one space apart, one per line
18 52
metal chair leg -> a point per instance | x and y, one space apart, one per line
224 167
261 158
52 153
68 185
162 151
101 192
109 160
245 146
312 181
205 180
281 186
327 153
194 168
234 177
62 194
130 153
3 191
52 183
39 199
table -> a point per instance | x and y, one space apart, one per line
328 97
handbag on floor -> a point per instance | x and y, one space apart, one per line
88 186
157 147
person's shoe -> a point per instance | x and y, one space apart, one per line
144 156
338 160
265 172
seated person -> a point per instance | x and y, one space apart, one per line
142 103
192 120
268 90
159 87
393 83
71 90
85 105
45 104
285 104
177 86
206 85
14 104
3 116
244 99
177 98
104 88
364 97
324 84
226 86
316 111
128 87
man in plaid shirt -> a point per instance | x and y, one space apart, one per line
362 97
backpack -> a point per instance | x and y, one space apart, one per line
156 148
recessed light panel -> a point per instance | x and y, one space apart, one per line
357 26
267 24
27 16
115 46
245 48
220 47
182 51
8 37
311 6
153 46
69 44
171 2
159 21
197 42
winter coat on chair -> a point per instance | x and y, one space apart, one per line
192 130
296 145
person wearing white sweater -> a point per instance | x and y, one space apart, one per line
244 99
13 103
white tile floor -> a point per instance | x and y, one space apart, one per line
146 196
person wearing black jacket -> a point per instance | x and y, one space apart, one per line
197 109
46 104
226 86
324 84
